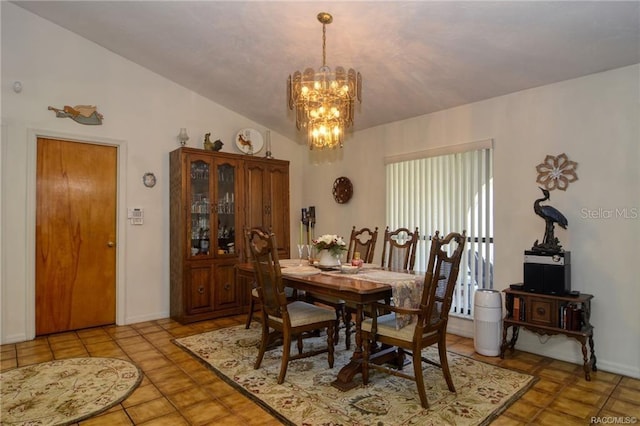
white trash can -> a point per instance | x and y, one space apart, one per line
487 322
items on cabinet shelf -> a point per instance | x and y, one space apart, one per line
570 317
519 308
200 205
204 241
226 204
199 171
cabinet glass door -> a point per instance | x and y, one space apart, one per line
200 190
226 208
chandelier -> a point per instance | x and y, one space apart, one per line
324 99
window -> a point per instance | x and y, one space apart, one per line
449 190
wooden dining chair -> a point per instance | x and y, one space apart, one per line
282 319
363 242
428 318
254 300
399 249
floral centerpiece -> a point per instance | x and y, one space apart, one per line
332 243
329 248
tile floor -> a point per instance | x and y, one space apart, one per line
178 390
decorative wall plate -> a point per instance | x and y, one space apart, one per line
249 141
342 190
149 180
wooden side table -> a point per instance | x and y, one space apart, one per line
547 314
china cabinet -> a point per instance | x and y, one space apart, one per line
209 202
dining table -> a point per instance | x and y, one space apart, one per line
371 283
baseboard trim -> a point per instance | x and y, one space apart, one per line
14 338
145 318
464 327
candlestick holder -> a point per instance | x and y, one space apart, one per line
268 153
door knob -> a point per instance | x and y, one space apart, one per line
110 244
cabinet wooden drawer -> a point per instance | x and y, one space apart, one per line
227 293
542 312
199 296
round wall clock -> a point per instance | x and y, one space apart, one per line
249 141
149 180
342 190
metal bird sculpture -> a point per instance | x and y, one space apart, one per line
551 215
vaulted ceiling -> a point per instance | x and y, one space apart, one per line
415 57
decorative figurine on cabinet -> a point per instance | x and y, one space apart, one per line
208 145
212 146
551 215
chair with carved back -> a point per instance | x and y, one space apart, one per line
399 249
362 241
282 319
254 301
411 329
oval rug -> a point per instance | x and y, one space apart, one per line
65 391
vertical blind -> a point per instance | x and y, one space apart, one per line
448 192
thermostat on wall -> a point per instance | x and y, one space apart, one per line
135 216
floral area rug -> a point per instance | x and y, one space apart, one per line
64 391
307 398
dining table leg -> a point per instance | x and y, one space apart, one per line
380 355
345 381
357 352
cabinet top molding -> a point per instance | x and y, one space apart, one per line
230 155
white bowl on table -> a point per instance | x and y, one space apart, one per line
349 269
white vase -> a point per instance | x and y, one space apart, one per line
327 259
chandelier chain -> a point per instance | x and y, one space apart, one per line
324 45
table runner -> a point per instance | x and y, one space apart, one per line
406 289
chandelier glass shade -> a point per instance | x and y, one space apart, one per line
324 100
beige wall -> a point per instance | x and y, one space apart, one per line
593 119
143 114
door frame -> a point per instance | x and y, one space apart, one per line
30 255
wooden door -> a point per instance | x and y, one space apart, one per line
76 192
278 195
267 200
256 203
